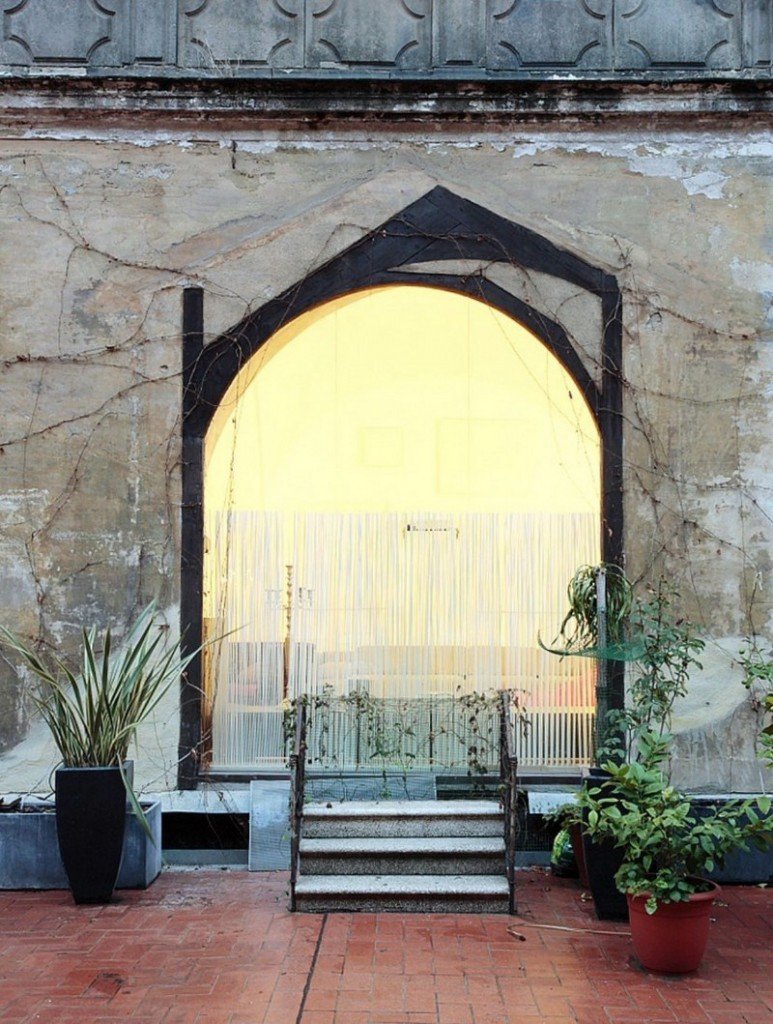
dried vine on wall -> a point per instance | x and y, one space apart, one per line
150 362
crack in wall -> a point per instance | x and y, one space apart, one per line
134 422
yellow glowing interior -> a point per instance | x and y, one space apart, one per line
403 398
338 445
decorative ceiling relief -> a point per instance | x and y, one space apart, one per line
683 32
549 33
392 33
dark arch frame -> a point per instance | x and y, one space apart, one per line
436 228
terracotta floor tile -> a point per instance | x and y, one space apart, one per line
220 948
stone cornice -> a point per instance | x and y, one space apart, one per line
37 104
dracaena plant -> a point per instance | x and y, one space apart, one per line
667 843
95 708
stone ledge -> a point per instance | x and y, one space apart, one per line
44 102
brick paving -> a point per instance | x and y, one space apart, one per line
213 947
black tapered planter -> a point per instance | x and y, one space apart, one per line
90 824
602 862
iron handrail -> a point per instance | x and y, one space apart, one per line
297 761
434 732
508 769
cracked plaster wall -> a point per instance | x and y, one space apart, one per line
100 235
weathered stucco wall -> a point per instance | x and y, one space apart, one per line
100 233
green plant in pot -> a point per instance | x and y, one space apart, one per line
665 846
661 649
579 631
93 711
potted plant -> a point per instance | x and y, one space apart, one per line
93 712
661 649
579 631
666 847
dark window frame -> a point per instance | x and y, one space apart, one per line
439 227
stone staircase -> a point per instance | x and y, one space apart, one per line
445 856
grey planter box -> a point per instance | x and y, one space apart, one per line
29 851
741 867
746 867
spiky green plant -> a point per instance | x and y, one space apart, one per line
579 632
94 710
580 626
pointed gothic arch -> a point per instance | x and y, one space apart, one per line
439 227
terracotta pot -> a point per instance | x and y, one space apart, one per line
673 939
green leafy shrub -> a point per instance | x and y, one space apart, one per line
666 843
758 679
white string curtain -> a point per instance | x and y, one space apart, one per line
400 605
245 599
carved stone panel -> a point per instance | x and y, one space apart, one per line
758 49
549 34
54 32
459 33
387 33
245 33
155 32
687 33
511 38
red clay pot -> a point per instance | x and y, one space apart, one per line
673 939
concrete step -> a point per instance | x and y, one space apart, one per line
402 819
429 855
449 894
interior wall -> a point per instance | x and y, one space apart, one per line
403 398
396 409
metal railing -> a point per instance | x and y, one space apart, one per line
358 732
508 769
438 733
297 762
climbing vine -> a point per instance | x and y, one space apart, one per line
68 460
358 731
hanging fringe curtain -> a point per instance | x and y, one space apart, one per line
245 603
397 605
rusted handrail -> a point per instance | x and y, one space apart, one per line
508 770
297 785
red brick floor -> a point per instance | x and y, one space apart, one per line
219 948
